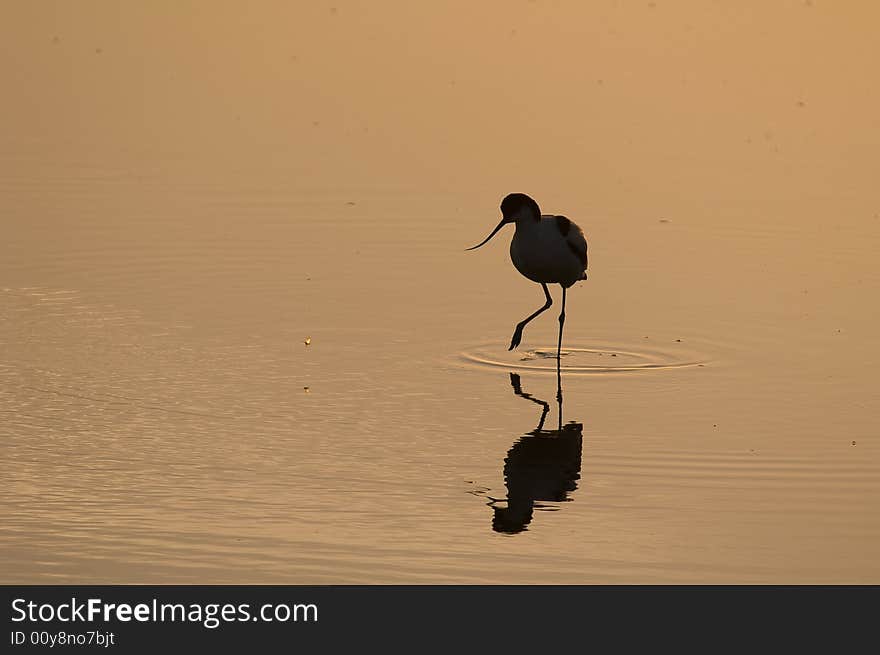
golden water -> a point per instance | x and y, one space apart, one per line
240 339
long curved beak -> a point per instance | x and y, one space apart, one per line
497 227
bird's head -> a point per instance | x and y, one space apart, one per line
514 517
515 207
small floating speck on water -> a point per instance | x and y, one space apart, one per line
307 390
853 443
678 340
614 354
308 341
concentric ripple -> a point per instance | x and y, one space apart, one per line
604 358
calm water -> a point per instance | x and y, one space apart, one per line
240 339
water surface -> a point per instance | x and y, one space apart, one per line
240 339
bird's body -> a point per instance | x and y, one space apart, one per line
546 249
552 250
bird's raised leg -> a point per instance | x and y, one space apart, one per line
517 333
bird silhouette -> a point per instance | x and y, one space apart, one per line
546 249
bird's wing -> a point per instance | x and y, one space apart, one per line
574 238
578 244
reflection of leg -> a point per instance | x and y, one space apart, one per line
559 391
514 382
517 389
517 333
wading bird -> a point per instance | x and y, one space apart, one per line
546 249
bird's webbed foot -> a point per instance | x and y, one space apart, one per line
517 337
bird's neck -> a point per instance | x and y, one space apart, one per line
527 223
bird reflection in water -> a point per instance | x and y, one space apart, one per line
543 465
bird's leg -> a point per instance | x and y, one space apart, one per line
559 359
561 323
517 333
